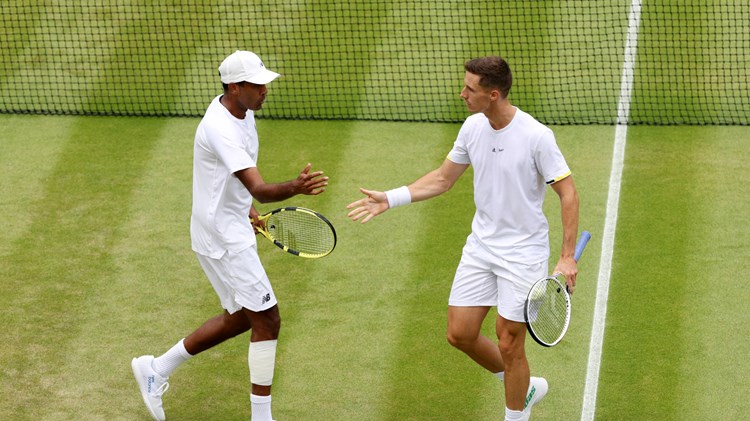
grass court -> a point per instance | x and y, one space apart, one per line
95 259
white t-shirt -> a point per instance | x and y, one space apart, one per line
512 168
221 203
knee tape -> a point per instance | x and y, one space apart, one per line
262 359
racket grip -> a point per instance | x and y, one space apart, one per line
582 241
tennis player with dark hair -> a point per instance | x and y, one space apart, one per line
515 158
225 182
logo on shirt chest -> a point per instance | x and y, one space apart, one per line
497 150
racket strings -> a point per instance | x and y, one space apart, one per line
548 308
302 231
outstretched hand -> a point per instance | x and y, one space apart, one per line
310 183
367 208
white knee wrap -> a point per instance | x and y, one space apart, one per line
262 359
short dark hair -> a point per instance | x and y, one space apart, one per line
226 85
494 72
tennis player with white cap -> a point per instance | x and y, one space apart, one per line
225 182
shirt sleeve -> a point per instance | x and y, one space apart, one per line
550 160
460 153
229 150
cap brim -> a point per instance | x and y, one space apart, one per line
264 77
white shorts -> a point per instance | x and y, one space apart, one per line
239 280
485 280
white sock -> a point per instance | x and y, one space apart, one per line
500 375
511 415
260 407
167 363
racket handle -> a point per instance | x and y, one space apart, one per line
582 241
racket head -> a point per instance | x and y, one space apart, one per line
300 231
547 311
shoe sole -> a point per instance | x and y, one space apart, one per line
139 378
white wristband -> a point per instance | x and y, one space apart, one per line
398 197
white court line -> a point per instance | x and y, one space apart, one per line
610 222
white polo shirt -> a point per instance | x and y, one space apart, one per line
221 203
512 168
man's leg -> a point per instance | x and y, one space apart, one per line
262 359
213 332
217 330
266 327
464 325
152 374
511 337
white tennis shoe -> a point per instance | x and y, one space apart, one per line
537 390
151 385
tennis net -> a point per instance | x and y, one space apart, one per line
377 59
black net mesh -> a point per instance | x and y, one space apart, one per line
377 59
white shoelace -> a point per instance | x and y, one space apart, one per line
160 391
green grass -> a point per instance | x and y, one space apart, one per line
97 268
678 308
95 262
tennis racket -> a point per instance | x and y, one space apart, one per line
299 231
547 309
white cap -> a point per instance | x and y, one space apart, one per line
244 66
